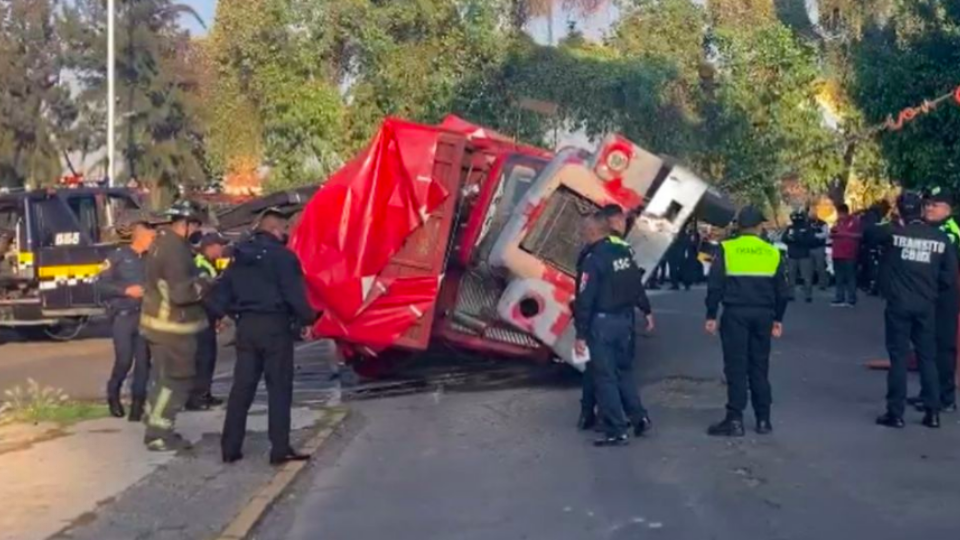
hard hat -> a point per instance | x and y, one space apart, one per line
185 210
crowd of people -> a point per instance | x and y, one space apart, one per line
911 259
166 299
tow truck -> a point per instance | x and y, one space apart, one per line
52 244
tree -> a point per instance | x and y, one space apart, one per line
914 56
35 104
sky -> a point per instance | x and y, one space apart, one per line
206 9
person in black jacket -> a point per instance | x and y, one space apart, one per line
748 279
609 287
263 290
917 267
800 239
617 223
120 286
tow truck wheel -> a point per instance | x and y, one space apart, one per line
65 330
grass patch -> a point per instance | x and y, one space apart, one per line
35 404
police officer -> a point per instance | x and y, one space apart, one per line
120 285
749 279
918 265
263 290
800 239
618 224
210 251
938 212
609 287
171 318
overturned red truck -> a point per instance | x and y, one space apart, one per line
455 234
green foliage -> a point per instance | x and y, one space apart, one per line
35 404
768 123
915 56
35 104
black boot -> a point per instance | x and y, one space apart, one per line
136 410
764 427
916 402
949 408
116 407
196 403
587 420
730 427
932 419
642 425
891 420
612 440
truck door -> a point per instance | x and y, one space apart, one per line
66 259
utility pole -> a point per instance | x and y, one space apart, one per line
111 94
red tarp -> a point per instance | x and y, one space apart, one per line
356 222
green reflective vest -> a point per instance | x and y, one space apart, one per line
750 256
952 230
205 266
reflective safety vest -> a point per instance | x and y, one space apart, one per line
952 230
749 256
204 265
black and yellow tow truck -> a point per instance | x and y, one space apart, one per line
52 244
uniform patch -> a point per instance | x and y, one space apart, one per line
583 281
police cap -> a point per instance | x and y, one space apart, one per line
750 216
910 204
213 239
610 210
940 195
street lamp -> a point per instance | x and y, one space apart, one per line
111 94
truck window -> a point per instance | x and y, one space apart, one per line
54 224
84 208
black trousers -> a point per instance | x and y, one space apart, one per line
946 329
745 333
264 348
611 344
130 350
206 360
906 327
171 381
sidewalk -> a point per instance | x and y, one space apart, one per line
95 480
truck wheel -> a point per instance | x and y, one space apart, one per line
65 330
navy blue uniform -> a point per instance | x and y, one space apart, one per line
263 290
125 268
918 267
608 289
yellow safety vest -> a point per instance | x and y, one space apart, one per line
204 265
749 256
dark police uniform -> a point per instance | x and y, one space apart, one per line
918 265
947 315
749 278
125 268
609 287
206 347
263 290
588 396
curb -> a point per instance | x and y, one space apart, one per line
250 515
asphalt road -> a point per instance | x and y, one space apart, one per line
507 464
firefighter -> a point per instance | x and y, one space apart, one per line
171 319
938 211
919 265
748 279
210 250
263 290
120 284
609 289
